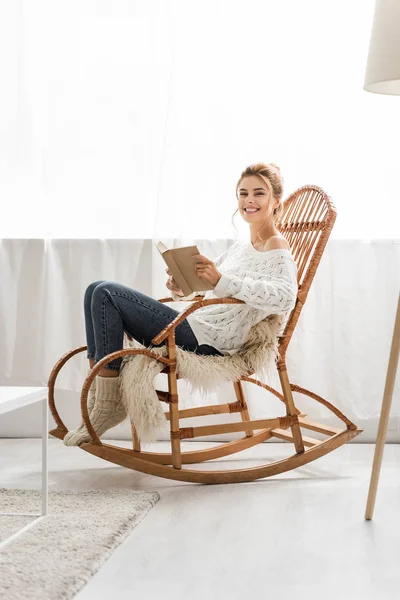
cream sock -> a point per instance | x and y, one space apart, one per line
108 411
90 405
92 394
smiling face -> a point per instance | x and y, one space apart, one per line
254 193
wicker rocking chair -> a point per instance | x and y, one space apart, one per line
306 222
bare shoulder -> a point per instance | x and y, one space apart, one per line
277 242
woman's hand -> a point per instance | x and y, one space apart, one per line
172 285
206 269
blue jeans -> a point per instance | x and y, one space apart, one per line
112 308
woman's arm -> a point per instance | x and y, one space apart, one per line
273 290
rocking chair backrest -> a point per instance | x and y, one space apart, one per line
306 222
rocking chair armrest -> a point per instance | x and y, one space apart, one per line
182 316
170 299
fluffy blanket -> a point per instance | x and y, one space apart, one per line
202 372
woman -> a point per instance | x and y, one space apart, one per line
261 272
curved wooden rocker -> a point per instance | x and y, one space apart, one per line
306 222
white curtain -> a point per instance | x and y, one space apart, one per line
127 122
134 119
340 347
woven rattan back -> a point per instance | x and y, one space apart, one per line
306 222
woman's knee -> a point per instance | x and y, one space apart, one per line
90 289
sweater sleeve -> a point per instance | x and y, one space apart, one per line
217 261
273 290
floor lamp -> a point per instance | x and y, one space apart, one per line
382 76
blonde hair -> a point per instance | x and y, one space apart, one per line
271 175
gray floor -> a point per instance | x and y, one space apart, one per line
301 534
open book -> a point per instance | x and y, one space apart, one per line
182 264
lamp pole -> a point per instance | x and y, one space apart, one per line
382 76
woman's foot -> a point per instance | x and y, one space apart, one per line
108 411
90 405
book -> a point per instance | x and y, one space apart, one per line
182 264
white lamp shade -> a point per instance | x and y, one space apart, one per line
382 75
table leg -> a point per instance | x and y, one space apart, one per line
45 447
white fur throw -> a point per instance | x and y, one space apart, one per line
202 372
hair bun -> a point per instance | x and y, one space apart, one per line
275 165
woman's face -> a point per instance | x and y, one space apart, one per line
254 194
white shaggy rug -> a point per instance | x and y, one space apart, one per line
56 557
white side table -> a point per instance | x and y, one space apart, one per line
12 398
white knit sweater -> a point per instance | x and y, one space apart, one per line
266 281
